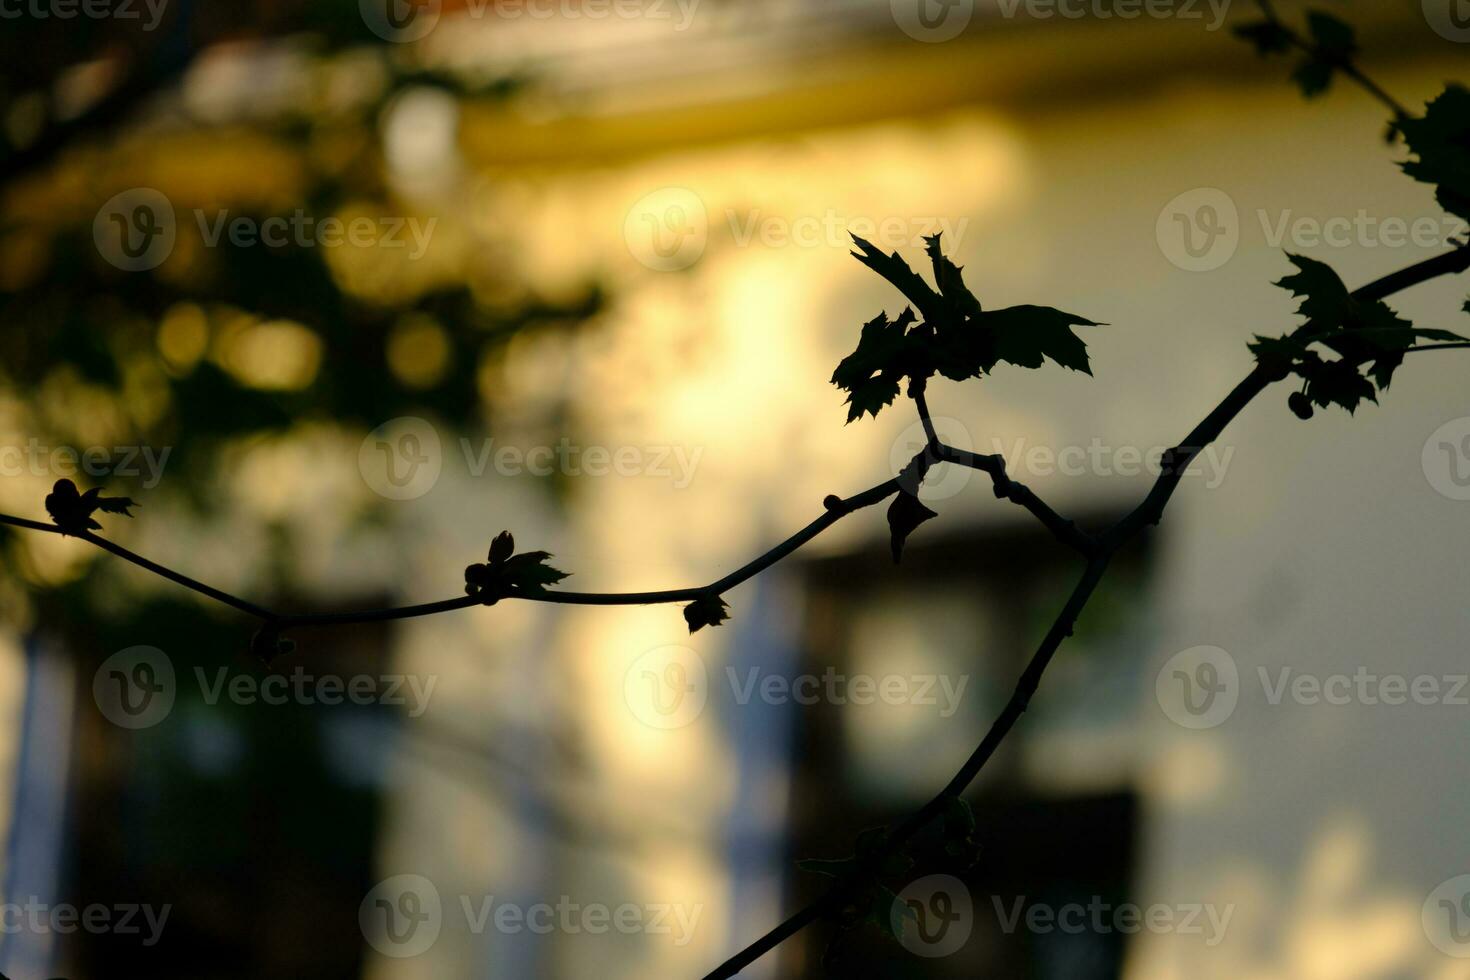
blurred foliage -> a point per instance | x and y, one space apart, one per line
280 110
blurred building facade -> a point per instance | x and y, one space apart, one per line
710 162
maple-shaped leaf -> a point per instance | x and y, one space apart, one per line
1361 332
1333 47
897 271
1325 299
1338 383
957 338
1358 330
1277 354
529 571
72 511
1441 141
1334 37
709 610
1024 335
872 373
905 514
951 283
505 573
1313 76
1266 36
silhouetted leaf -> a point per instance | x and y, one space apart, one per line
951 283
507 573
502 547
897 272
709 610
73 511
1026 334
1334 37
529 571
1267 36
905 514
1313 76
1363 333
1333 46
1324 297
1338 383
957 338
871 374
1441 141
1360 331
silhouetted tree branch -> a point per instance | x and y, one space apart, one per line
1100 552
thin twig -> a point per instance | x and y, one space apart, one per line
837 508
1345 65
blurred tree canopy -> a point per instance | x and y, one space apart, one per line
292 110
